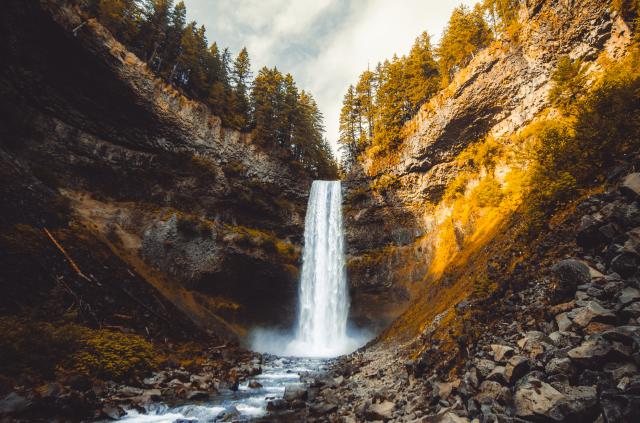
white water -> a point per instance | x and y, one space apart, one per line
323 295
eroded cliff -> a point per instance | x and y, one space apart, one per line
120 167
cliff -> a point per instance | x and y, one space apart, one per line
139 184
397 213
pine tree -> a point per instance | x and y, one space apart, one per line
172 44
121 17
465 34
365 93
241 75
348 126
152 37
422 75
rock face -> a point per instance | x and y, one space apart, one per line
210 220
391 213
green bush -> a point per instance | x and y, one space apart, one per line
40 349
114 355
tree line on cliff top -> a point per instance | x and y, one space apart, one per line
377 106
283 119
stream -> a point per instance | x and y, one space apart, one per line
246 404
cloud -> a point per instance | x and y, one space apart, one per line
324 44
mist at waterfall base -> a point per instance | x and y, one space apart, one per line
323 297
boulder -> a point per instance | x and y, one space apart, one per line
229 414
563 322
618 370
592 311
626 263
295 392
632 310
498 374
627 296
113 412
254 384
380 411
323 409
448 417
197 396
628 334
13 404
560 366
517 367
484 367
568 274
502 352
593 352
589 235
535 400
490 391
630 185
564 339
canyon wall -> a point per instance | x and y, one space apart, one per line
395 210
109 158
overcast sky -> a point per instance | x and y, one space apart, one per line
324 44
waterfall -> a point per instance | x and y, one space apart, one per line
323 304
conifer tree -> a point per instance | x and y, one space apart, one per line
241 75
465 34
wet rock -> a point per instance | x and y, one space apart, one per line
276 405
380 411
156 379
228 414
626 264
502 352
113 412
294 392
630 185
13 404
130 391
254 384
197 396
592 311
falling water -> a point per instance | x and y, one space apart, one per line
323 295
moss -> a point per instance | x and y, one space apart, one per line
43 349
114 355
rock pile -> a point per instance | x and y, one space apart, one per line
577 360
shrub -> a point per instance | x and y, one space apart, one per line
114 355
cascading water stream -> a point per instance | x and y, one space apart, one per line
323 295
